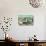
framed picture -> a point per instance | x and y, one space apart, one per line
25 20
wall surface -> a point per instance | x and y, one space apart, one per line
13 8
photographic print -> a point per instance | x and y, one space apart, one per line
25 20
